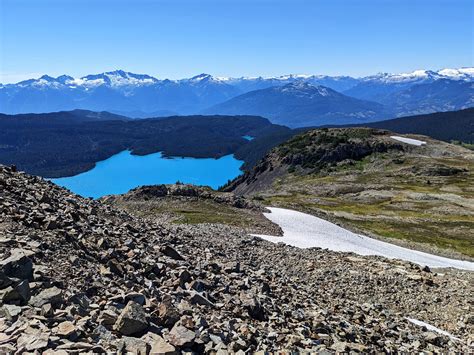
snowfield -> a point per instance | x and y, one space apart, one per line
305 231
408 140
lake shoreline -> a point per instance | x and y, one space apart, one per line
124 171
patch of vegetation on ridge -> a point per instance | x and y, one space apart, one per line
189 204
422 196
195 212
464 144
319 149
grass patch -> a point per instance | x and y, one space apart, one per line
464 145
428 234
194 212
197 216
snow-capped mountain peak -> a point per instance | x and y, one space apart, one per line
416 75
292 76
117 78
63 79
457 74
47 78
206 78
201 77
424 75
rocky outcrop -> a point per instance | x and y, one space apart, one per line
186 191
79 276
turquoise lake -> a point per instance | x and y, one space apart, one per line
124 171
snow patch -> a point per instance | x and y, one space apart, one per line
408 140
430 327
305 231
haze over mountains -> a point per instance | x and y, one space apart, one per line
348 99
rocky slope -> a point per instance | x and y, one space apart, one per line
79 276
418 196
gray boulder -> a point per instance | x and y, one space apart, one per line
52 295
132 320
17 265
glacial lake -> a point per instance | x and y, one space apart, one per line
124 171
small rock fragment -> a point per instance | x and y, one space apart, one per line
16 294
171 252
160 346
66 328
181 336
10 311
17 265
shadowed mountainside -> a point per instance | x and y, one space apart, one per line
447 126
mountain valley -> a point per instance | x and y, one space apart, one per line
65 144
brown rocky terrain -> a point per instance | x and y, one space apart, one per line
77 275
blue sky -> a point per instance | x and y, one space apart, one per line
179 38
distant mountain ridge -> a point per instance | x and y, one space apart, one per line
440 95
447 126
123 78
301 104
142 95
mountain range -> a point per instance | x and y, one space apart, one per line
348 99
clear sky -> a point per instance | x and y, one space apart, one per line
182 38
